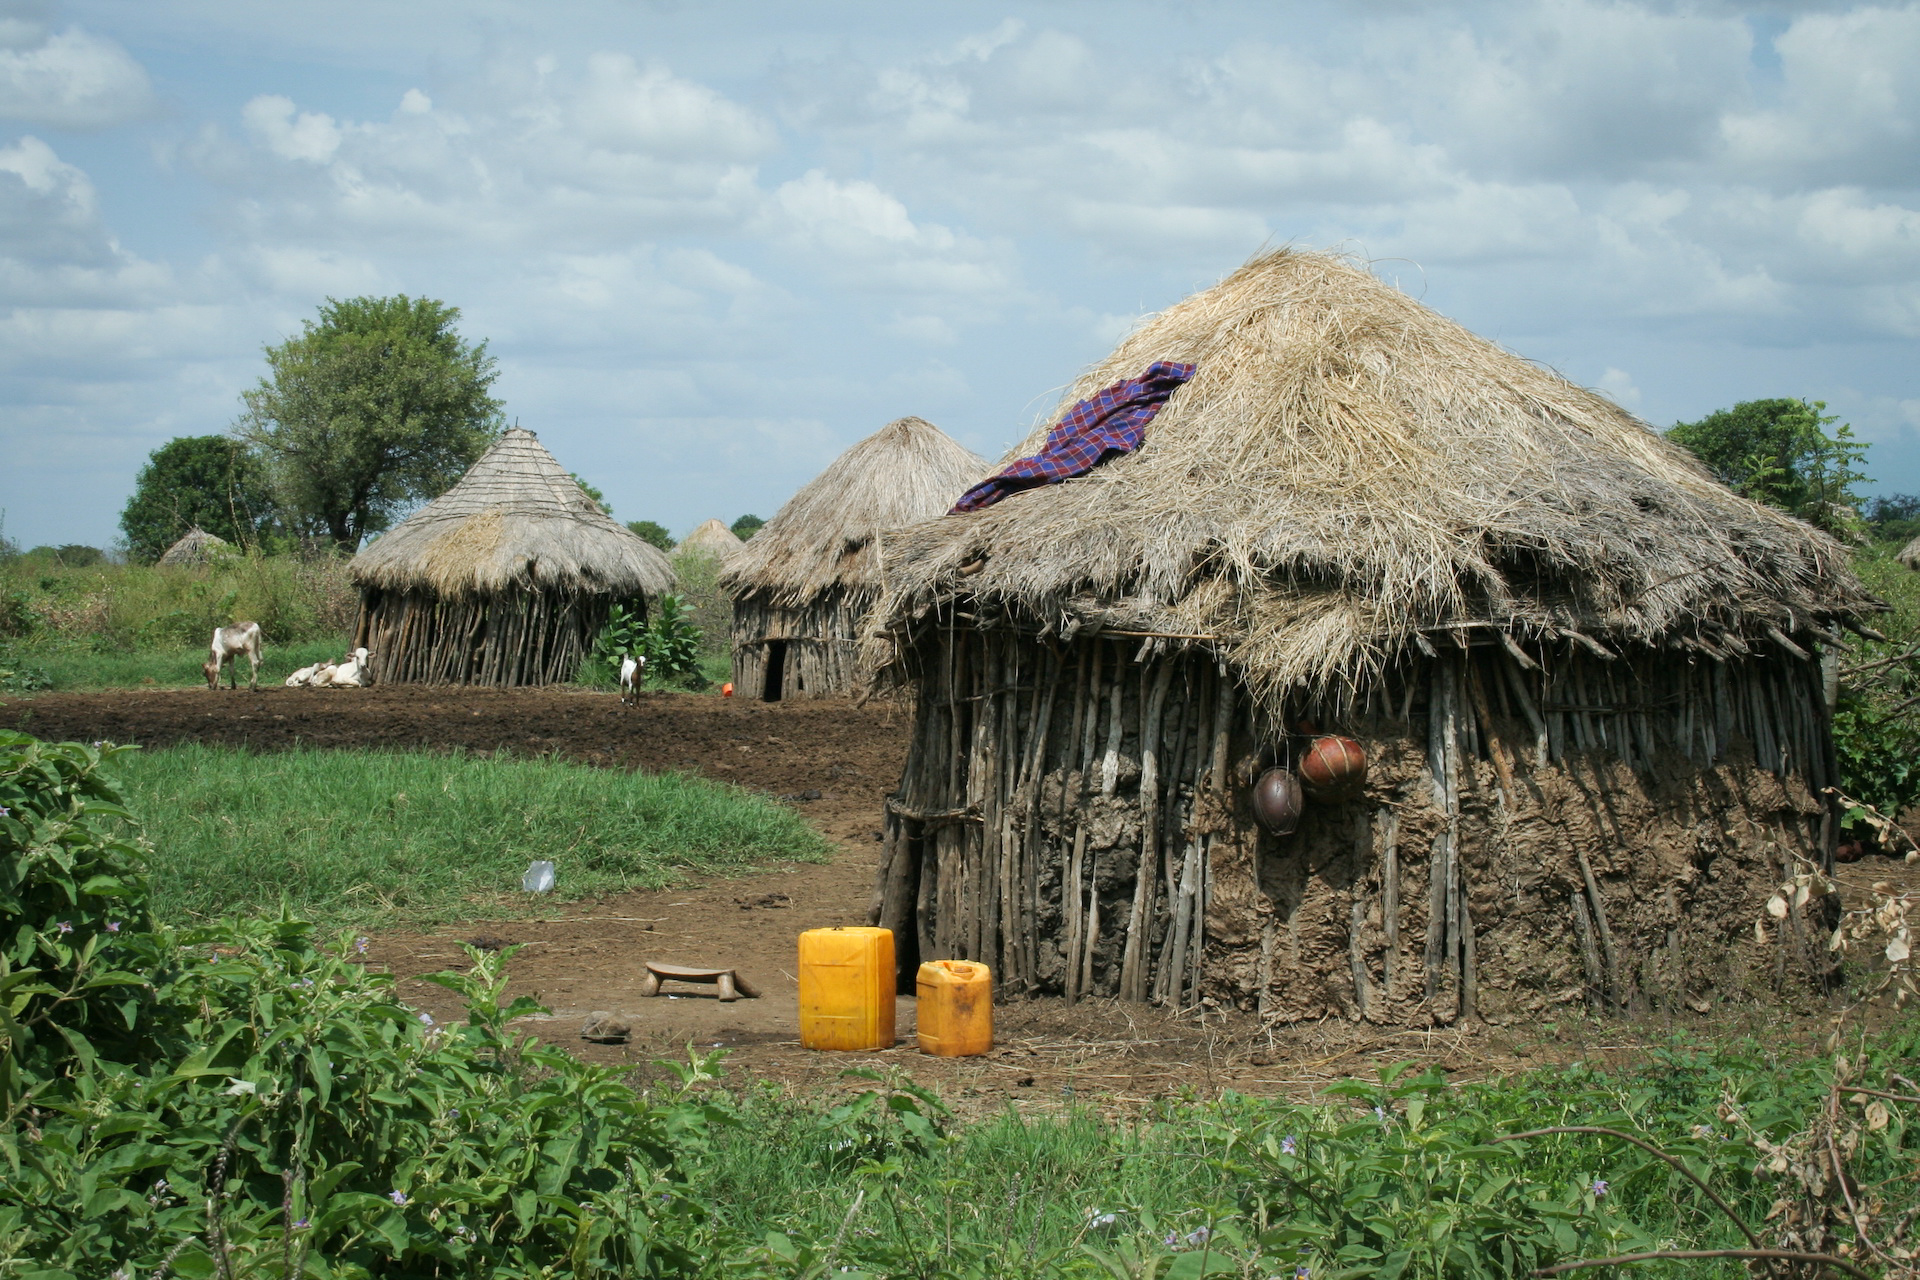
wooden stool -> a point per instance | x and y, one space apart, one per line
732 986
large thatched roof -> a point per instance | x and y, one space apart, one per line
515 520
1348 468
827 536
712 538
196 547
1910 554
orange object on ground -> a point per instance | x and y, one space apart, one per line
956 1008
846 988
726 690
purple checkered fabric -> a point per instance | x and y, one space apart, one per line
1102 426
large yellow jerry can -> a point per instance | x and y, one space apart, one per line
955 1008
846 988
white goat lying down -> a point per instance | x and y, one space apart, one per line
633 674
228 644
351 672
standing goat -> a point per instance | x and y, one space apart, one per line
228 644
633 674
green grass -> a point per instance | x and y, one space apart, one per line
371 837
77 666
1327 1185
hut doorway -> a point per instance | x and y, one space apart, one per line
773 684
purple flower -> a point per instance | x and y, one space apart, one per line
113 926
1199 1236
4 811
426 1019
1286 1145
454 1114
1172 1240
98 743
398 1197
360 945
1599 1188
1380 1114
1302 1271
66 926
299 1224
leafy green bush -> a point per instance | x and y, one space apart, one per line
240 1100
669 642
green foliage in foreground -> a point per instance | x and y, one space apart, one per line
371 836
240 1100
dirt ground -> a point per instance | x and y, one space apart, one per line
834 762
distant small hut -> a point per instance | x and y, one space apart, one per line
504 579
802 585
711 538
1585 678
1910 554
196 548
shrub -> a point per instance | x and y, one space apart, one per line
241 1100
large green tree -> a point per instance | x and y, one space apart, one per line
210 481
376 405
1780 452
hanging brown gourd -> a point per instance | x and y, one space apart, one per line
1276 801
1334 768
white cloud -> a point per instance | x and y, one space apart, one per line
72 80
309 136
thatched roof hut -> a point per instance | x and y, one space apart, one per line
1909 555
802 585
1585 676
711 538
504 579
195 548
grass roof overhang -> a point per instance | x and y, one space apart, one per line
515 521
1349 471
827 536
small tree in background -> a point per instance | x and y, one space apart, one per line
652 531
378 404
209 481
1893 517
599 498
1779 452
746 526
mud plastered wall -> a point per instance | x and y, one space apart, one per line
1525 839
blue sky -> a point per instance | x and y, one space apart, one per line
713 244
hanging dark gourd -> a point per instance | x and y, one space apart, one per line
1334 768
1276 801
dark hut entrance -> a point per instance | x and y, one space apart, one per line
774 681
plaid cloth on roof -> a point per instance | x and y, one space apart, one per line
1103 426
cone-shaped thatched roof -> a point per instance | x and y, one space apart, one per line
713 538
515 520
194 548
827 536
1348 468
1910 554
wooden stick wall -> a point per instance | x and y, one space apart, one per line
818 644
1067 810
523 638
